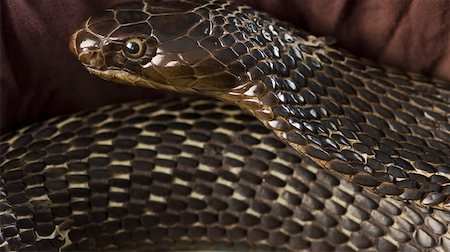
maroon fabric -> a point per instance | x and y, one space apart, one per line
40 78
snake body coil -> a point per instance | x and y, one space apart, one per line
201 173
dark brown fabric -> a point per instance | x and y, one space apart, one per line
40 78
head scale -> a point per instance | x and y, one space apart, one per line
169 44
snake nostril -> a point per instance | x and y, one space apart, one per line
86 46
91 58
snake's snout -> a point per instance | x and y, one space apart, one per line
92 59
86 47
72 44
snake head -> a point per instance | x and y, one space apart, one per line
166 44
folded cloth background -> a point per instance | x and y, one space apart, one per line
40 78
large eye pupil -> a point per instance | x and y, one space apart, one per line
132 47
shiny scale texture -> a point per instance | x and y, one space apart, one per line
382 134
189 174
380 127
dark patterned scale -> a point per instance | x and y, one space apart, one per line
389 141
335 107
192 174
378 127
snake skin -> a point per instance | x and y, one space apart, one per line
380 127
190 174
350 154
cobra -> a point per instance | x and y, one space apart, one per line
378 137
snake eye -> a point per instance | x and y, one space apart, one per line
134 48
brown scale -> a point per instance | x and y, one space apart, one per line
378 127
189 174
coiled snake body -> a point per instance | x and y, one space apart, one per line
350 154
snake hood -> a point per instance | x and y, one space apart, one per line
176 45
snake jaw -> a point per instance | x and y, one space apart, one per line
123 77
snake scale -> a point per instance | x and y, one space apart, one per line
309 147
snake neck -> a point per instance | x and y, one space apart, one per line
274 58
280 65
378 126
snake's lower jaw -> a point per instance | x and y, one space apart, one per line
118 77
125 78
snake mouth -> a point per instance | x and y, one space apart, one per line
126 78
